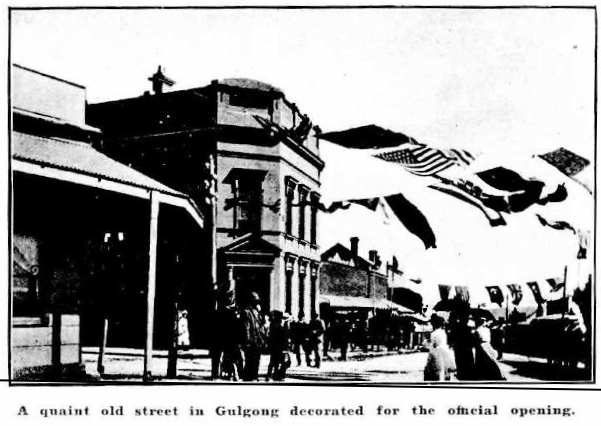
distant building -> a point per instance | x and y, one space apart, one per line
84 238
242 141
344 273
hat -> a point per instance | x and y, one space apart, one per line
254 298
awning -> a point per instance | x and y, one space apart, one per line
355 302
79 163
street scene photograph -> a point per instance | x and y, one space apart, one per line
275 196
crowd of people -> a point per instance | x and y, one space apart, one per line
462 347
466 352
246 333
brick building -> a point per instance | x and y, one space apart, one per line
345 273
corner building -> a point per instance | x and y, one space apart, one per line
266 179
268 196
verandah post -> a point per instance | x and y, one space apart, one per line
150 295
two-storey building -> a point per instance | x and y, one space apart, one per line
243 142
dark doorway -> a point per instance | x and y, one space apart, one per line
253 279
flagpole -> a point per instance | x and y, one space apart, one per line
565 290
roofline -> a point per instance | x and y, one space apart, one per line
107 184
50 76
55 120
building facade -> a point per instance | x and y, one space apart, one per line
250 159
85 240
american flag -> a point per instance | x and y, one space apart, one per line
422 160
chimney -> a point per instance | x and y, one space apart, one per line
159 80
355 247
374 258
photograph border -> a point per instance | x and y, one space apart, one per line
546 385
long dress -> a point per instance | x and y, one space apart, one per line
440 359
486 367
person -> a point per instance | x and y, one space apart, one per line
462 342
298 332
440 363
279 358
232 361
183 333
316 330
498 337
218 336
255 338
485 364
343 334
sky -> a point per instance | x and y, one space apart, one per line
518 80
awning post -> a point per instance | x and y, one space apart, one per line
152 266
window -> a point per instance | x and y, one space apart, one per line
315 197
290 189
247 198
303 193
26 291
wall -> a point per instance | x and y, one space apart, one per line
43 94
344 280
32 344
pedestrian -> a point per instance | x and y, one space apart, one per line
233 330
498 337
462 342
440 364
298 332
218 335
255 338
183 333
344 334
316 330
485 364
279 358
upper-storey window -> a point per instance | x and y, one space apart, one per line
247 198
315 197
303 196
290 191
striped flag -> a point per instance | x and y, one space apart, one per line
422 160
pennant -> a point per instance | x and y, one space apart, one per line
412 218
559 225
496 295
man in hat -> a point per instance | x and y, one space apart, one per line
255 337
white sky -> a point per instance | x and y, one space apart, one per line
485 80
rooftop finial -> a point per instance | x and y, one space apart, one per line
158 80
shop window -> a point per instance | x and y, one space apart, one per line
26 287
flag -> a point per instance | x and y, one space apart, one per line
419 159
412 218
298 133
496 295
522 193
367 137
493 216
559 225
406 212
566 161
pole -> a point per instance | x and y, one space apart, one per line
565 290
172 357
213 221
152 266
105 326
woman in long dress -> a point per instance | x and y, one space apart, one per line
485 365
440 362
